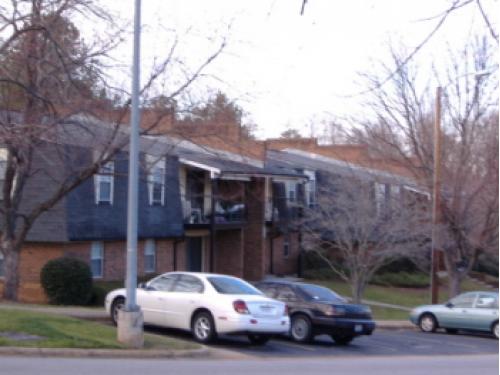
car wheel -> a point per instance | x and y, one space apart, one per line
118 304
494 330
427 323
203 327
342 340
301 328
451 330
258 339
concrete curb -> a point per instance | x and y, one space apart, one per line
104 353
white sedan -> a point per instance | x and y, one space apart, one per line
207 305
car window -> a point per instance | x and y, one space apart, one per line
285 293
268 289
231 285
162 283
319 293
487 301
188 284
464 300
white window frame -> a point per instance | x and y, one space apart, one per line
97 253
291 191
150 251
380 197
153 164
105 175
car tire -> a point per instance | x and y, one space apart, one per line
258 339
427 323
342 340
494 330
203 327
301 328
451 331
117 305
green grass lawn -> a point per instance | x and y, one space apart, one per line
55 331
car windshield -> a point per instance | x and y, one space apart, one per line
319 293
230 285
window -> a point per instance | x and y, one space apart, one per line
162 283
286 248
464 300
150 256
104 184
97 259
2 270
381 197
156 180
188 284
231 285
287 294
3 167
291 187
310 188
487 301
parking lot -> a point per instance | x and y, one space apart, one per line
382 342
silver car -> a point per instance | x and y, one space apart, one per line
475 311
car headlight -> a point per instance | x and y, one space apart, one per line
333 310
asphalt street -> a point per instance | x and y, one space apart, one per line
404 365
383 342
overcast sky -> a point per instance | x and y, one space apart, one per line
287 70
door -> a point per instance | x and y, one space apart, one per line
194 256
185 298
485 312
459 312
154 300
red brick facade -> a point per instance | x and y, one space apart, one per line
282 264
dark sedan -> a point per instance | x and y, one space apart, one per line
316 310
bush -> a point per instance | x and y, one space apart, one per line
97 296
67 281
402 280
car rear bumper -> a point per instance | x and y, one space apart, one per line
344 326
247 324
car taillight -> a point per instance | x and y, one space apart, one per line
286 311
240 307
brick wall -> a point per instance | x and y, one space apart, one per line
283 265
35 255
254 232
229 252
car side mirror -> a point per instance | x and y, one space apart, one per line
449 305
141 285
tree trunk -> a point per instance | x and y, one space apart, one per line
357 287
454 280
11 267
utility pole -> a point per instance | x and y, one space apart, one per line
436 188
130 319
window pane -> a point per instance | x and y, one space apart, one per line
163 283
150 256
96 267
188 284
464 300
157 193
105 191
229 285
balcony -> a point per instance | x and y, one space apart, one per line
283 210
197 211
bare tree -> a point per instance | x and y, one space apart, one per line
51 84
400 130
359 225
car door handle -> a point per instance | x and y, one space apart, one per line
464 311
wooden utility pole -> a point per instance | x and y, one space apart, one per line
436 188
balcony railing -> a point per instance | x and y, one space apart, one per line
283 209
225 211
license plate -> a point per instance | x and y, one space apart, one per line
358 328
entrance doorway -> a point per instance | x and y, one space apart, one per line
194 256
